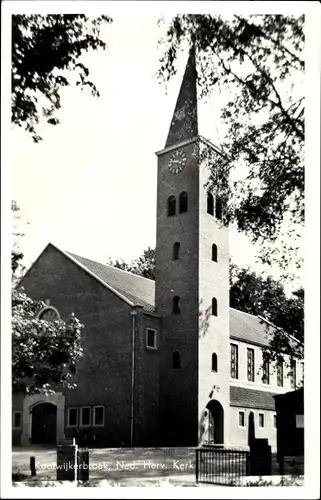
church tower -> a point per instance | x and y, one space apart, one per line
192 283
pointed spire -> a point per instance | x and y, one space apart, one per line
184 122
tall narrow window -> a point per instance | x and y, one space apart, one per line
266 369
72 417
234 361
85 416
261 420
241 419
17 420
302 372
210 204
214 252
250 365
214 306
176 248
214 362
218 208
171 206
279 372
176 308
293 374
183 202
151 338
176 360
99 416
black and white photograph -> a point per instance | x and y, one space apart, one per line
160 207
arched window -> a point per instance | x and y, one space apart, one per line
214 252
214 362
171 206
176 360
218 208
176 248
210 204
214 306
49 313
183 202
176 309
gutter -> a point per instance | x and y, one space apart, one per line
134 315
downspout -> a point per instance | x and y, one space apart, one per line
134 316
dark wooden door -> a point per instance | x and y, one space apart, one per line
44 424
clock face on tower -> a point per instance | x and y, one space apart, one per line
177 162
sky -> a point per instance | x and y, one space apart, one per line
90 186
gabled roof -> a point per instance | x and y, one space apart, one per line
137 290
251 398
249 328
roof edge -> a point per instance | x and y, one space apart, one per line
278 328
251 342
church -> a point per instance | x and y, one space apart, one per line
166 362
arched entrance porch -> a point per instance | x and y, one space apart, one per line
215 422
43 423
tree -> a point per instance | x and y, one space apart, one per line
259 59
266 297
16 255
44 353
144 265
45 50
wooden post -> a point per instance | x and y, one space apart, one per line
33 466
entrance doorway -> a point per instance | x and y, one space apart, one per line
44 423
215 422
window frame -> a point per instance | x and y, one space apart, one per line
14 413
48 308
214 307
250 350
175 304
241 412
81 408
94 414
302 371
182 202
154 330
176 251
214 357
214 253
210 205
293 377
261 414
232 345
266 371
176 356
171 206
274 421
280 372
68 417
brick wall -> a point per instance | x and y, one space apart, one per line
179 332
104 373
17 406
